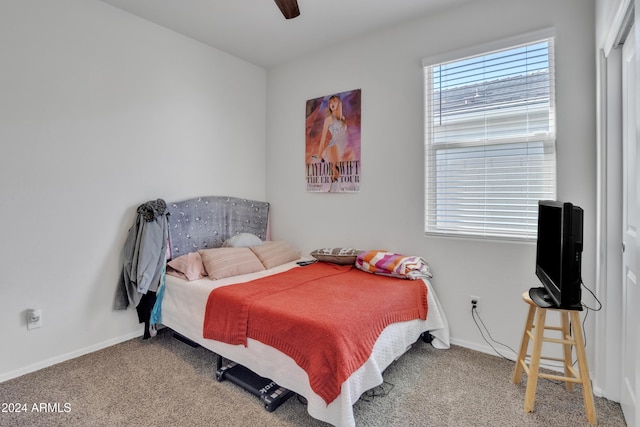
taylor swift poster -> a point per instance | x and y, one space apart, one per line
332 142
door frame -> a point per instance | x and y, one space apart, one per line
606 369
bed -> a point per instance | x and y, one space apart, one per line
208 222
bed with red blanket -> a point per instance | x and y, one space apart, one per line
324 331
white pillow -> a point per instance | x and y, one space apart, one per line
242 240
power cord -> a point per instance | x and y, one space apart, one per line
587 308
380 391
594 297
480 325
476 318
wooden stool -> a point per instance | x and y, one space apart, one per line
568 340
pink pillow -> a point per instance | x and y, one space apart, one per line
189 265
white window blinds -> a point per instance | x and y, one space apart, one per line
490 142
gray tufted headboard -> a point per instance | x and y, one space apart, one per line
206 222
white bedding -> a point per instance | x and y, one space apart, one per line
183 308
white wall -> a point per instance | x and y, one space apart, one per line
99 112
388 210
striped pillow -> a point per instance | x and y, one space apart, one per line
227 262
275 253
341 256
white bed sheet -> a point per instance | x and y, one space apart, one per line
183 309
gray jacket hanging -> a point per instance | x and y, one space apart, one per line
144 255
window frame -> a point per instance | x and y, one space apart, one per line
548 142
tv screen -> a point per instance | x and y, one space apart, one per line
559 255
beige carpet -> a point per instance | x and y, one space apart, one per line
164 382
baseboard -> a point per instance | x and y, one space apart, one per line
504 352
68 356
485 349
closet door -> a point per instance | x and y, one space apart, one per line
630 226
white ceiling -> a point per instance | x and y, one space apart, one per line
256 31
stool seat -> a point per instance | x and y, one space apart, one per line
571 337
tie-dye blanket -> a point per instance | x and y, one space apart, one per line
394 265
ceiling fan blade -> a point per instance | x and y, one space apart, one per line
289 8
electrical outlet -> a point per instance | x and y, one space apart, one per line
34 318
475 302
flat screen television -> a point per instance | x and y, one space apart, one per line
559 255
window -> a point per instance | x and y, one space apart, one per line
490 141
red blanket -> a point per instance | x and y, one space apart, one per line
324 316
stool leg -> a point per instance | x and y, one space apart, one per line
524 345
566 334
587 392
532 379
